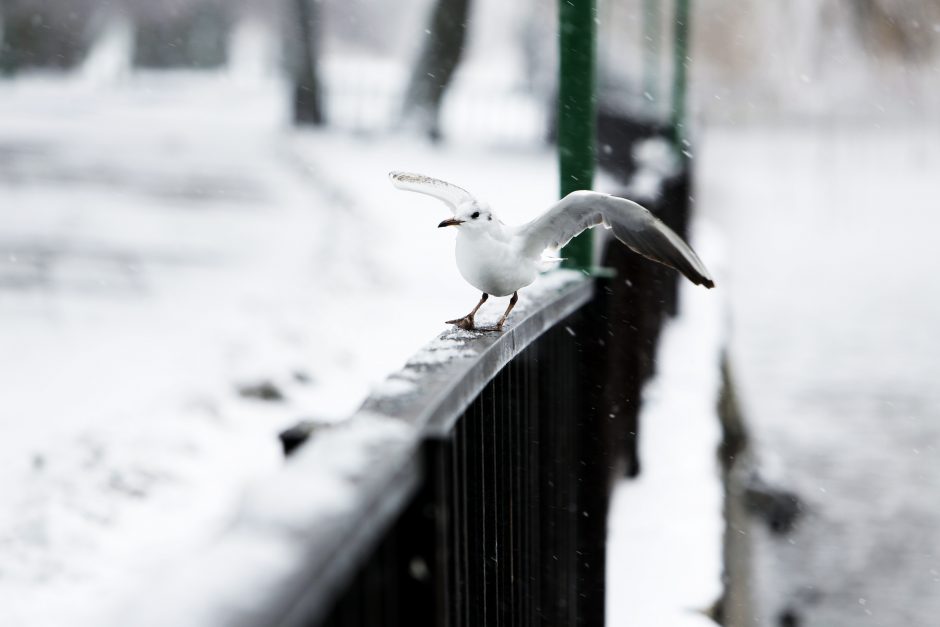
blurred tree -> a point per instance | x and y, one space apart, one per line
43 35
439 57
902 28
303 44
193 35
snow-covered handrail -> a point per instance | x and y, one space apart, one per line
302 536
439 381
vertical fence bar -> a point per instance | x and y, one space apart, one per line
490 504
577 35
532 486
460 525
441 469
517 468
494 557
504 429
596 433
475 530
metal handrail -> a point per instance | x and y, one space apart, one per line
446 388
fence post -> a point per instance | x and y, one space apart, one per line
577 34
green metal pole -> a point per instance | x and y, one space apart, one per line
577 35
680 73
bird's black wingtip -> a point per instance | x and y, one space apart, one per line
708 283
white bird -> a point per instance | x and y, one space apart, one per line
499 260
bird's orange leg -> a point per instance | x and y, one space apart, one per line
466 323
512 303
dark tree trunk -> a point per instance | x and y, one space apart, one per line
37 36
308 98
435 66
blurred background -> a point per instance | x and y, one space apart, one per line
199 247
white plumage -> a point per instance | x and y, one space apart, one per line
499 260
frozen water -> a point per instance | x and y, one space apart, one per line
835 300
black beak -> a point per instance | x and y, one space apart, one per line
450 222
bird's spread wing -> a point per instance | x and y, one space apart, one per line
631 223
452 195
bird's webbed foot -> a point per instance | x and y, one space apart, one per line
465 323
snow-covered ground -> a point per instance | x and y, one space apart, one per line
166 240
833 265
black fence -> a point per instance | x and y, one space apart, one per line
509 526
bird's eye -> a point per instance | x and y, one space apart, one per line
475 215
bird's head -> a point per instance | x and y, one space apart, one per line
473 217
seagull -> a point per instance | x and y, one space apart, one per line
500 260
